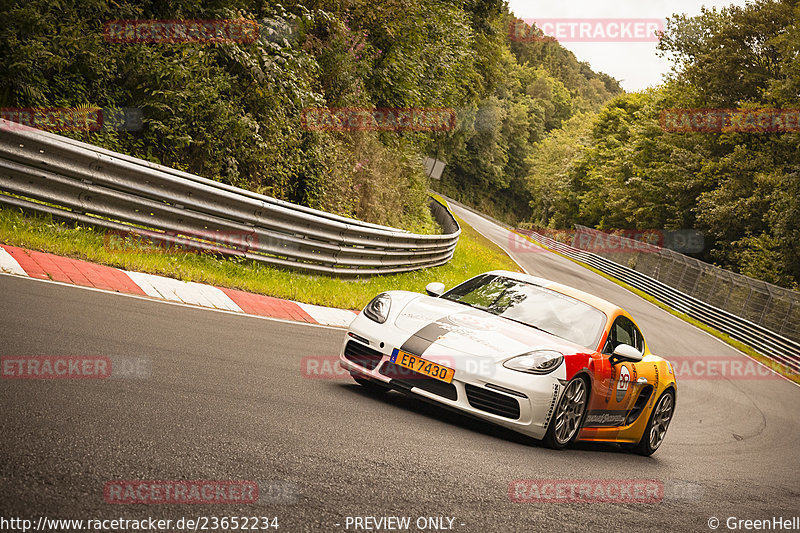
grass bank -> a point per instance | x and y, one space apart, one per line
474 254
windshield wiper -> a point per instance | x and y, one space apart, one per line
501 316
534 326
479 308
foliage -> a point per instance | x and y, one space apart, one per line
740 189
233 111
530 89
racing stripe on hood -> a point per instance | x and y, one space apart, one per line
422 339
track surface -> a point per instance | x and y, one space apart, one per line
225 399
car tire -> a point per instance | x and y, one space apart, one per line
569 414
370 384
657 426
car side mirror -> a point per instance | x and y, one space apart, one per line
435 289
625 352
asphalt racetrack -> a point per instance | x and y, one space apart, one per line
223 397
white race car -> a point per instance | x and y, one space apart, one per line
537 357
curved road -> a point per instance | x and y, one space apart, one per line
223 397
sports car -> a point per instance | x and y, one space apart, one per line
541 358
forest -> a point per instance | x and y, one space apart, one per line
539 139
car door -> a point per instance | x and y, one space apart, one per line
625 385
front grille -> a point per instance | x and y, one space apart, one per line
362 355
408 378
492 402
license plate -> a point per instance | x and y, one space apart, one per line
422 366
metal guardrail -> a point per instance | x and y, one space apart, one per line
42 172
770 306
777 347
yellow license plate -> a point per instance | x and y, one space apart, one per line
423 366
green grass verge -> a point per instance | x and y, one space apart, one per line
724 337
474 254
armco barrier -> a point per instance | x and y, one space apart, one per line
774 308
763 340
46 173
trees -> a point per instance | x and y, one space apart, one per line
232 112
529 89
739 188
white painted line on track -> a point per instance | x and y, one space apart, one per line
9 265
183 291
219 299
328 315
179 304
141 280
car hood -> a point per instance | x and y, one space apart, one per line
440 327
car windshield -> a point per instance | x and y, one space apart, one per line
533 306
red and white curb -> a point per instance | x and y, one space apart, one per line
22 262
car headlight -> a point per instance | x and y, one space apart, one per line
536 362
378 308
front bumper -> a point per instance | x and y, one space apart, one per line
481 386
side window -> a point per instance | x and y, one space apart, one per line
623 331
638 338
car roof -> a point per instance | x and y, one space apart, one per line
603 305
